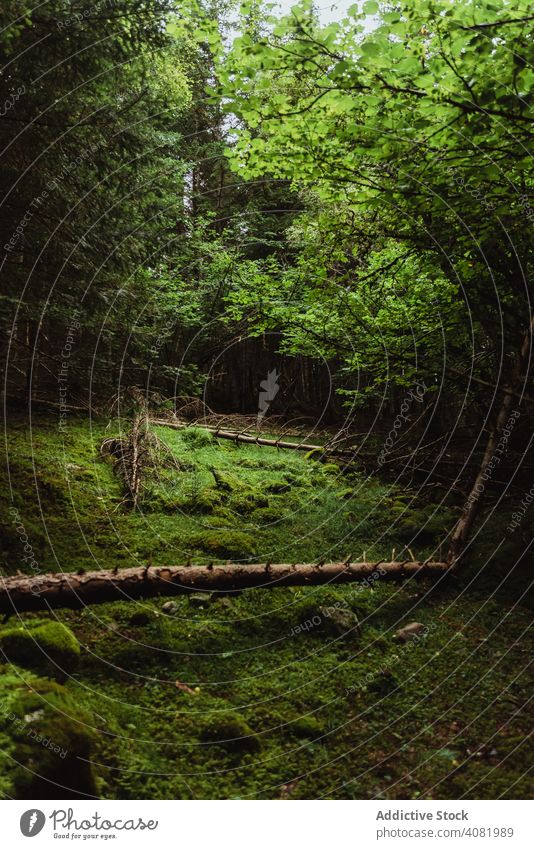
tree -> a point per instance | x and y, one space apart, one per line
414 151
88 173
415 139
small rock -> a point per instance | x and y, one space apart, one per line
170 608
339 621
409 632
199 600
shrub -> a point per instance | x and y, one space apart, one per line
196 437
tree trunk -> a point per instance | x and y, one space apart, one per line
75 590
243 437
496 438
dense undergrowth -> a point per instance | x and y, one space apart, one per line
282 693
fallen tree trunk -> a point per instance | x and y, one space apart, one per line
75 590
237 436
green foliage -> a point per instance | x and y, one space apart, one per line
415 164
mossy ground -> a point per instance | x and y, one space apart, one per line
249 695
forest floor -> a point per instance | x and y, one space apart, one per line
284 693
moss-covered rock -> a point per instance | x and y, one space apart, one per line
207 500
277 487
307 727
199 600
224 543
226 482
230 731
47 646
248 500
339 621
219 520
266 515
48 739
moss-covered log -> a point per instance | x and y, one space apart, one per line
74 590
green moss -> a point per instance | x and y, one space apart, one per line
231 732
48 739
331 469
221 519
266 515
277 487
45 645
206 500
224 543
226 482
306 727
140 618
247 501
160 500
248 655
421 525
